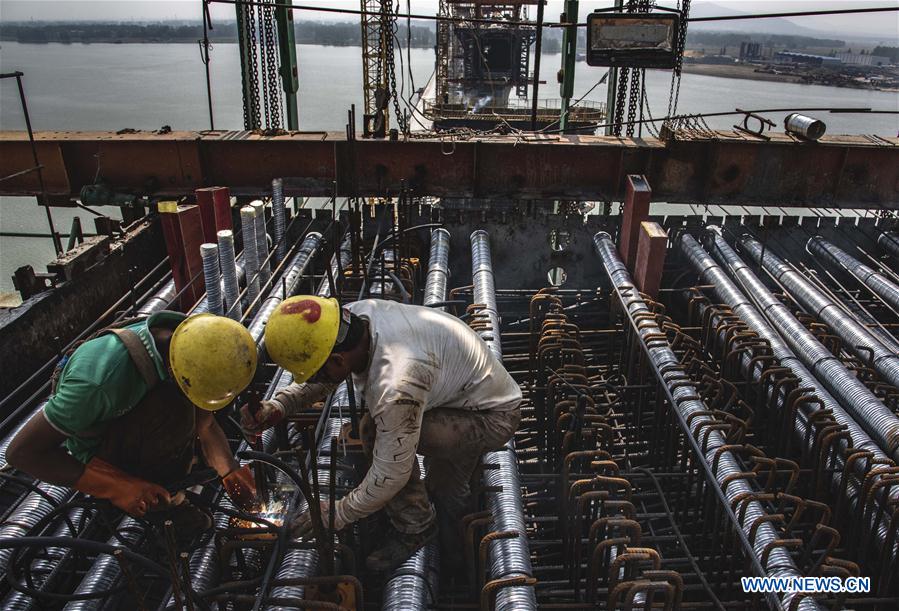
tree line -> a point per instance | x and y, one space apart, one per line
346 34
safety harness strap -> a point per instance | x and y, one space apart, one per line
139 354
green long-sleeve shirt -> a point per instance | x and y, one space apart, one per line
100 383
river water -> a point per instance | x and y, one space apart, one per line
145 86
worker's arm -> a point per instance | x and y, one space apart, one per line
397 403
214 444
37 450
238 481
298 397
288 401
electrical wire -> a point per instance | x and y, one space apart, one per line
346 11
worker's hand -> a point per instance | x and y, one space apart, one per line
268 415
132 495
241 488
300 525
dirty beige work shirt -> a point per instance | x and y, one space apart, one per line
421 358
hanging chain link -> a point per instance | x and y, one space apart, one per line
390 25
270 59
674 93
253 53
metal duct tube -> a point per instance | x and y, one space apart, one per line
285 285
859 339
159 301
250 259
265 270
728 293
279 219
29 512
106 570
46 569
211 273
414 581
889 242
507 557
202 306
346 258
879 284
298 563
438 268
778 563
869 411
228 263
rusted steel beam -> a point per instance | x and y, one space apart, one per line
846 171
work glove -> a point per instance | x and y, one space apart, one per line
300 525
241 488
252 423
132 495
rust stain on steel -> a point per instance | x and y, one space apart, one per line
850 171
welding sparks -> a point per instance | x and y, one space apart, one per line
272 512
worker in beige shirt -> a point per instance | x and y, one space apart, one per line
430 385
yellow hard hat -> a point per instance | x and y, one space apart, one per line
213 359
301 333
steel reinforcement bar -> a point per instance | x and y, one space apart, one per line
508 558
766 547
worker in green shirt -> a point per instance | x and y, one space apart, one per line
129 407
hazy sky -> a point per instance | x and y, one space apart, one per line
877 24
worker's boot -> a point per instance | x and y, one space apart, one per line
397 548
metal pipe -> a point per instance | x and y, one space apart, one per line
45 570
869 411
778 562
412 584
279 216
285 286
728 293
159 301
106 570
211 274
507 557
250 256
265 270
879 284
228 263
889 242
438 268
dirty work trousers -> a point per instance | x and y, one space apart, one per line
452 441
156 439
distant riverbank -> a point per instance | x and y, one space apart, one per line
748 72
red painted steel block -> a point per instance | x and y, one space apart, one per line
183 230
215 210
636 210
651 246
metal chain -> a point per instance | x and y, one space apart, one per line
263 64
270 55
389 26
253 54
674 93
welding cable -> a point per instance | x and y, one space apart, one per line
879 284
688 408
43 571
866 409
728 293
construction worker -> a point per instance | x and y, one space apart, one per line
430 385
128 407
